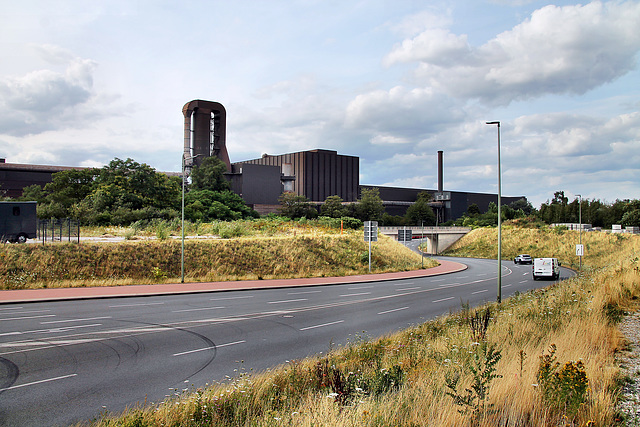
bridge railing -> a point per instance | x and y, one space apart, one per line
427 230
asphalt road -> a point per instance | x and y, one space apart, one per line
65 362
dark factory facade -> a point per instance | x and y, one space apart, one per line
314 174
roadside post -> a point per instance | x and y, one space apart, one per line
370 235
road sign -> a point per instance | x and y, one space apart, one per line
579 250
371 231
404 235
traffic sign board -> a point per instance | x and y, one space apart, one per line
371 231
404 235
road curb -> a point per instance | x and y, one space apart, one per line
130 291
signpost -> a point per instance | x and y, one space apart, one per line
404 235
370 235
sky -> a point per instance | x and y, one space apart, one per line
389 81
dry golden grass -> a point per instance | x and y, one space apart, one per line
578 316
294 252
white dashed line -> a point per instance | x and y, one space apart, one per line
186 310
443 299
51 322
395 309
209 348
321 326
38 382
286 301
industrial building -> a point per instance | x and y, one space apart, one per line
315 174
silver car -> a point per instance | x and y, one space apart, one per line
523 259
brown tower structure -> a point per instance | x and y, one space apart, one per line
205 132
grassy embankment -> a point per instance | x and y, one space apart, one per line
252 250
544 358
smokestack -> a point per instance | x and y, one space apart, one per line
440 172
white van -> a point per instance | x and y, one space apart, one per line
546 267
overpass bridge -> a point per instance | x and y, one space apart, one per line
438 239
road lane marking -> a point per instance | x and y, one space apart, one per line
287 300
443 299
395 309
322 325
38 382
404 284
196 309
479 292
74 320
28 317
30 312
136 305
227 298
407 289
356 294
505 286
209 348
69 328
304 292
10 308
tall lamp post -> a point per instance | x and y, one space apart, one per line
499 218
184 178
580 232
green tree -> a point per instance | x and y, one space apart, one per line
473 210
210 175
296 206
370 207
332 207
421 212
34 193
631 218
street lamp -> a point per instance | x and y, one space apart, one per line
499 218
184 159
580 232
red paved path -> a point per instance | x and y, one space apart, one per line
31 295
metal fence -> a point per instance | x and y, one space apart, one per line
59 230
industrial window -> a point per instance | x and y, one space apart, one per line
16 211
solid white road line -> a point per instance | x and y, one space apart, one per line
356 294
479 292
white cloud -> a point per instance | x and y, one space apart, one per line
558 50
402 111
41 100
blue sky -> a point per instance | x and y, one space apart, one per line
391 82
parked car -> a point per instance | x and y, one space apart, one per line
546 267
523 259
